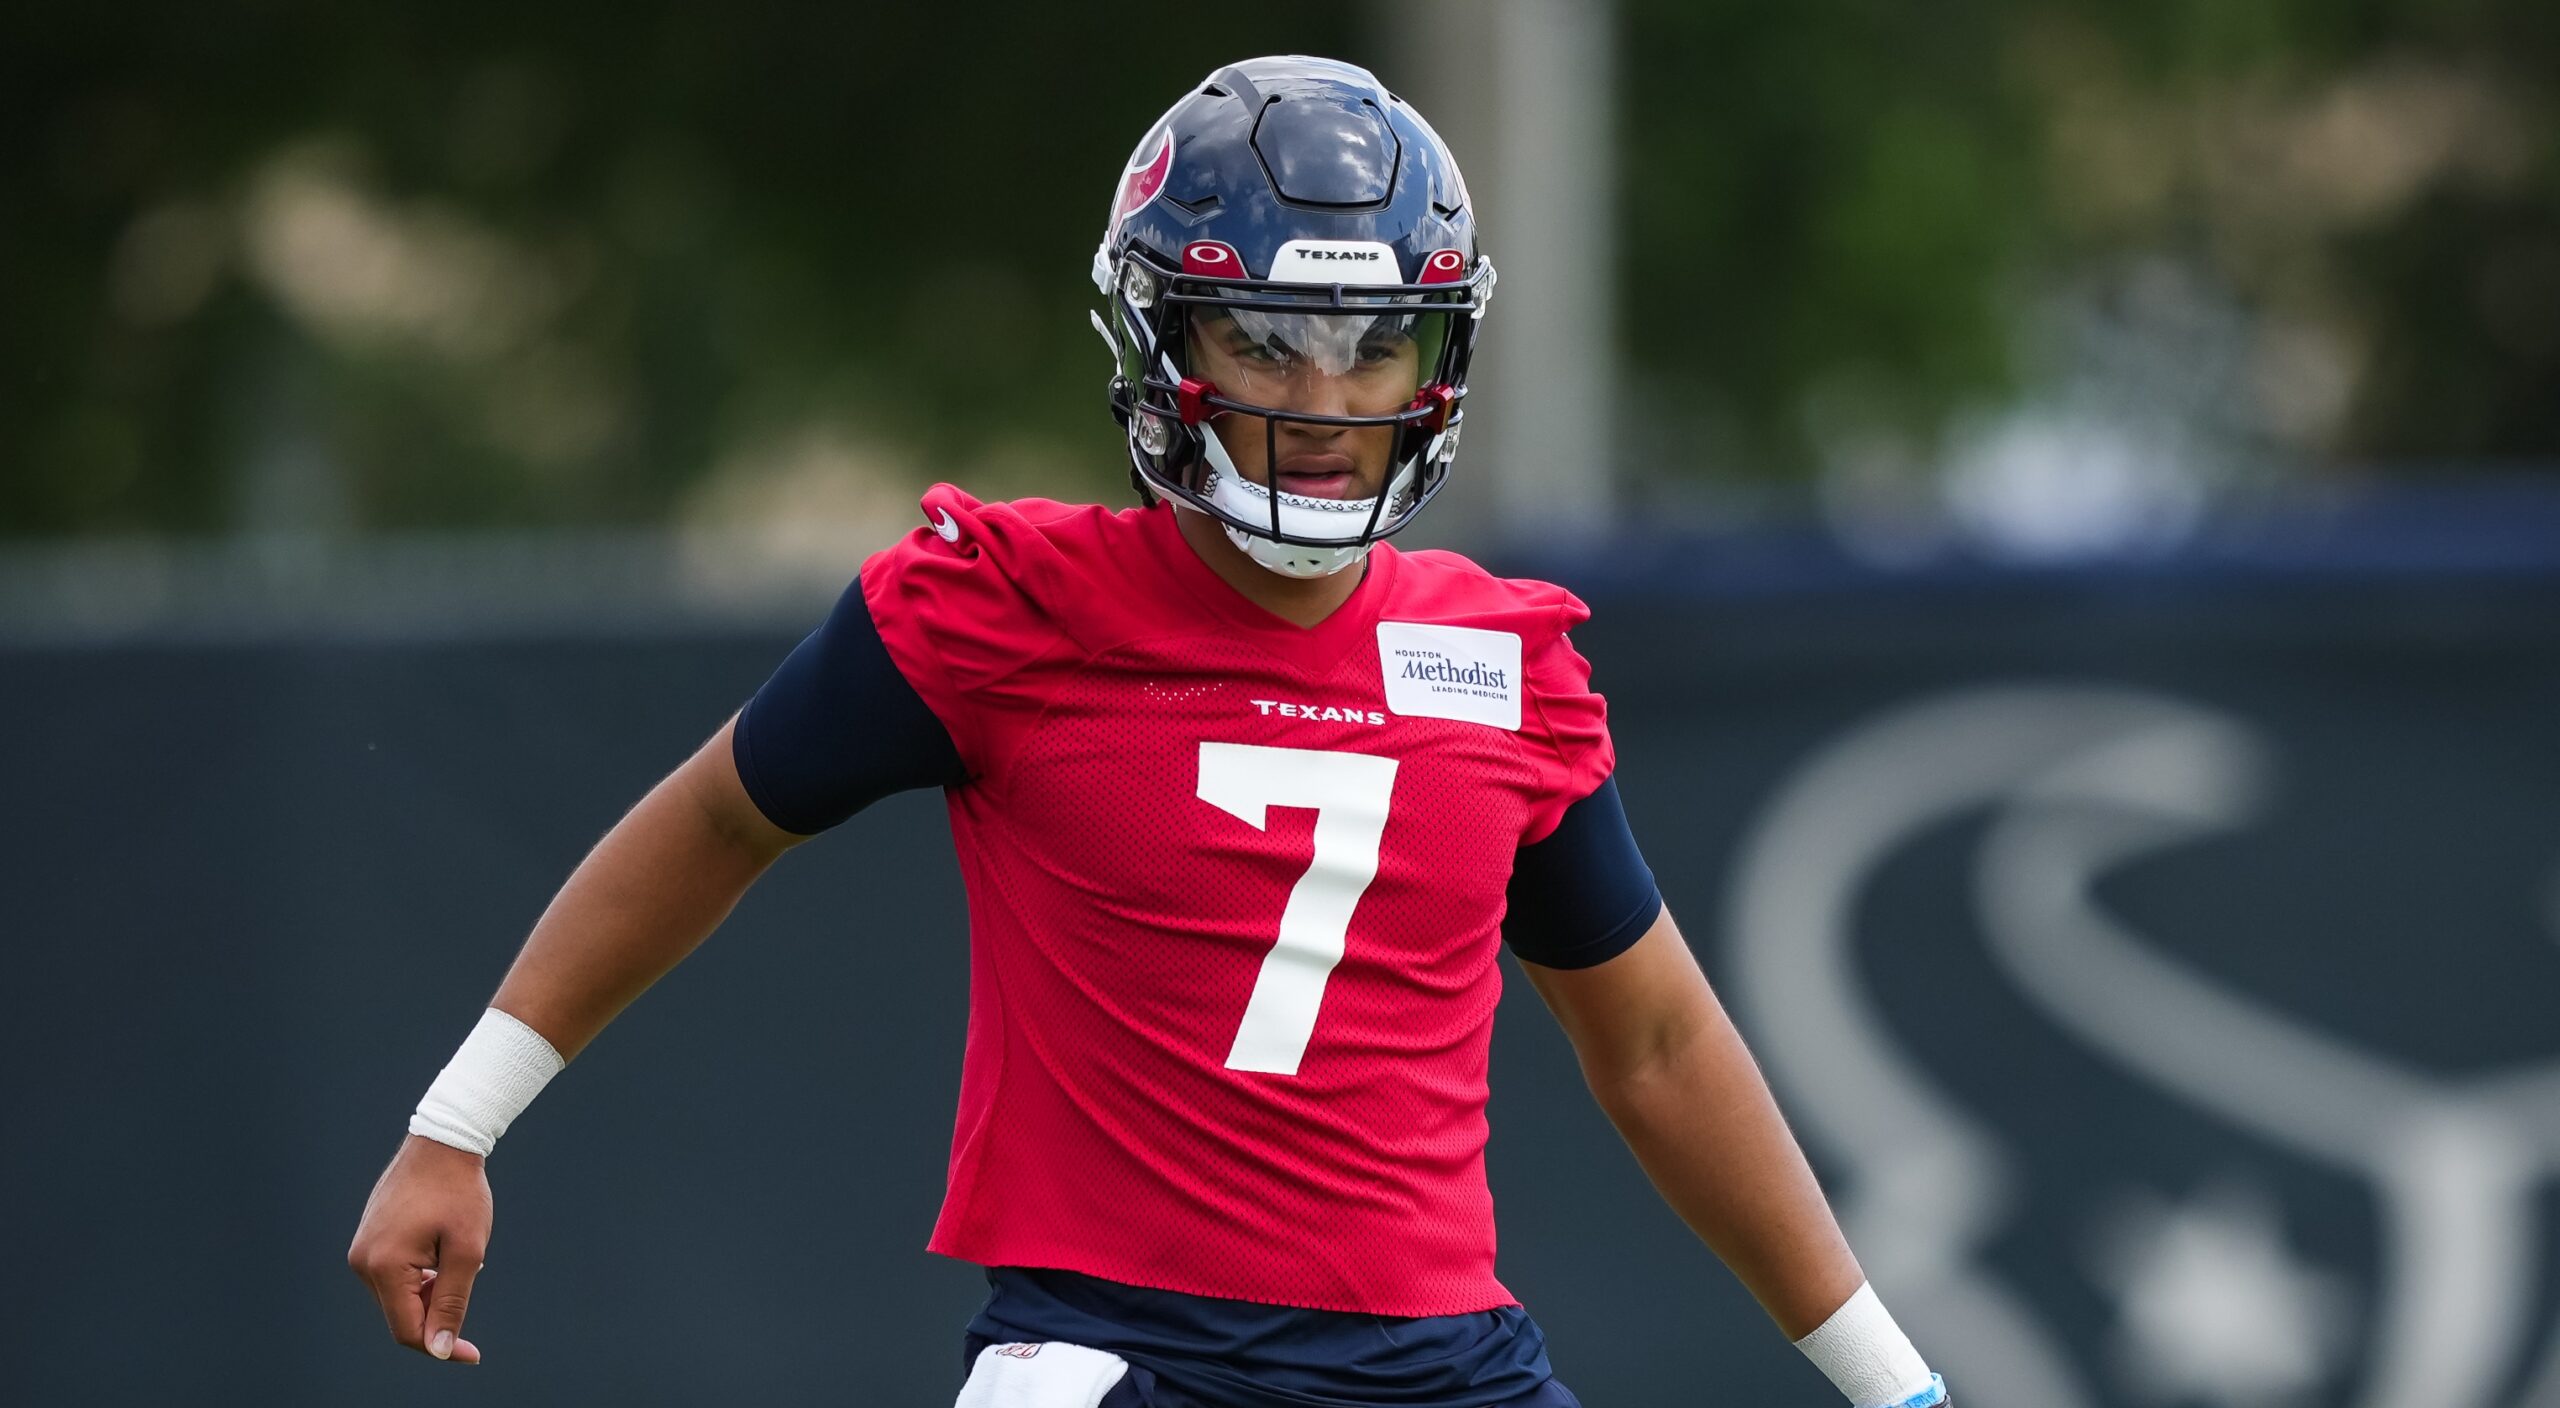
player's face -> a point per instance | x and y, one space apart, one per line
1324 364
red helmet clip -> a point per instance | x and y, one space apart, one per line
1440 400
1192 400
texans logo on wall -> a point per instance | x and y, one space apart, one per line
2167 1054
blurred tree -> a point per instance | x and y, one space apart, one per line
285 264
1848 210
529 264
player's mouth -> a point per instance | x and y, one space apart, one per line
1320 476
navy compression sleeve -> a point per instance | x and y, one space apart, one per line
1583 895
838 728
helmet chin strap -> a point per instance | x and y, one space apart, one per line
1243 498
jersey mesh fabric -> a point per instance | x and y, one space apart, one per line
1086 663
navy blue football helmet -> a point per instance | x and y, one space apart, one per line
1301 216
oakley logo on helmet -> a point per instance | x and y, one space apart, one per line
1211 260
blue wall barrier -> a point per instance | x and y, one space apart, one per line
2160 967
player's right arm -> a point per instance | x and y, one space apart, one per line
657 884
837 727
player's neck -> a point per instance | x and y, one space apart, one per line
1301 601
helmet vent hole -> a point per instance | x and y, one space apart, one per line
1217 90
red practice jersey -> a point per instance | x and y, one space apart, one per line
1235 893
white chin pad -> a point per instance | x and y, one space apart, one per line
1293 559
1334 526
1051 1375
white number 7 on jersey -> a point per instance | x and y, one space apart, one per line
1349 793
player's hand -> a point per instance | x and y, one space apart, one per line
419 1247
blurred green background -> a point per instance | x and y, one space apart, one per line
419 426
280 265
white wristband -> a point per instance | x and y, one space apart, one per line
502 1065
1868 1357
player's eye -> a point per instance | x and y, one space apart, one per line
1243 351
1271 355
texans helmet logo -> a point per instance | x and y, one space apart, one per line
1144 180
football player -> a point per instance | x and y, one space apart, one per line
1248 803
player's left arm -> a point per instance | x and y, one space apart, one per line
1673 1075
1587 921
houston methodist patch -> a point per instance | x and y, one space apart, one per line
1451 672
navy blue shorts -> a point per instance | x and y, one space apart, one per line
1187 1351
1141 1389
